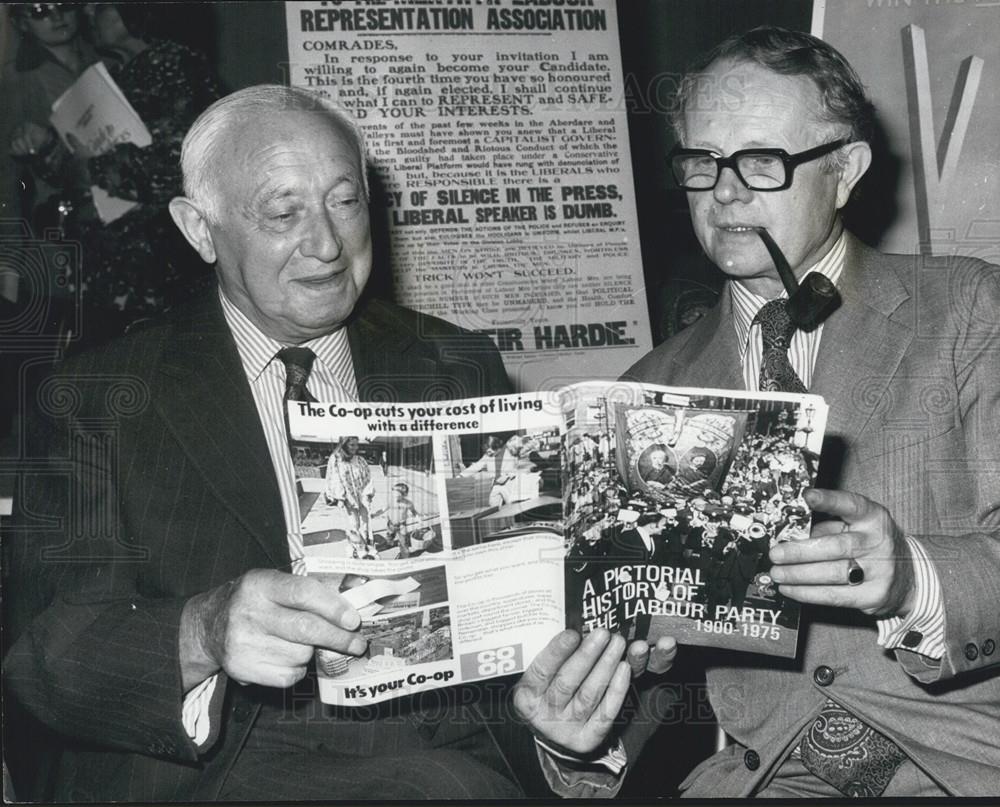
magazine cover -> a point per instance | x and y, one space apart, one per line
674 499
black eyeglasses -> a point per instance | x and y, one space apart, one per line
758 169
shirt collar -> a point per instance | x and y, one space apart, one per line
257 349
746 304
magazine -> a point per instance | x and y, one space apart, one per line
468 533
91 117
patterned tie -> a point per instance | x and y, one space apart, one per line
849 754
839 748
298 363
776 329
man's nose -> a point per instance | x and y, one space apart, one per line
323 242
730 188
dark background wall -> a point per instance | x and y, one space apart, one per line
252 43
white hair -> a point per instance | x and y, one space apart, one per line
204 142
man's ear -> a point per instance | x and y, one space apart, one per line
193 224
859 157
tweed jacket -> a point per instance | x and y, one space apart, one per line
910 366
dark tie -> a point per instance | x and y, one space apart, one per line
839 748
776 329
298 363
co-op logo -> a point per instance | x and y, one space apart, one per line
492 662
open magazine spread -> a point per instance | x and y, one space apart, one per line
468 533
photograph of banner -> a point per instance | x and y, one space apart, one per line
674 500
499 150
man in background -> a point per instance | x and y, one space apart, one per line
397 517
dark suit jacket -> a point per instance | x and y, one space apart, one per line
628 547
910 366
153 482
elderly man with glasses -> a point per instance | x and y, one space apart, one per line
895 690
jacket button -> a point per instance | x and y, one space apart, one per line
988 647
241 712
751 759
823 675
971 651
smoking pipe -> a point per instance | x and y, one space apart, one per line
809 303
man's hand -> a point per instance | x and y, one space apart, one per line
816 570
29 138
263 627
573 690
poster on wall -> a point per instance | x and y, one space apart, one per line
499 151
932 68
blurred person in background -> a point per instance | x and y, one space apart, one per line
136 265
51 53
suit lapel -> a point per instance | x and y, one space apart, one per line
862 345
390 361
205 399
711 356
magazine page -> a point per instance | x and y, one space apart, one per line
441 523
91 117
674 498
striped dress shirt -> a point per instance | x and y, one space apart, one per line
922 631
